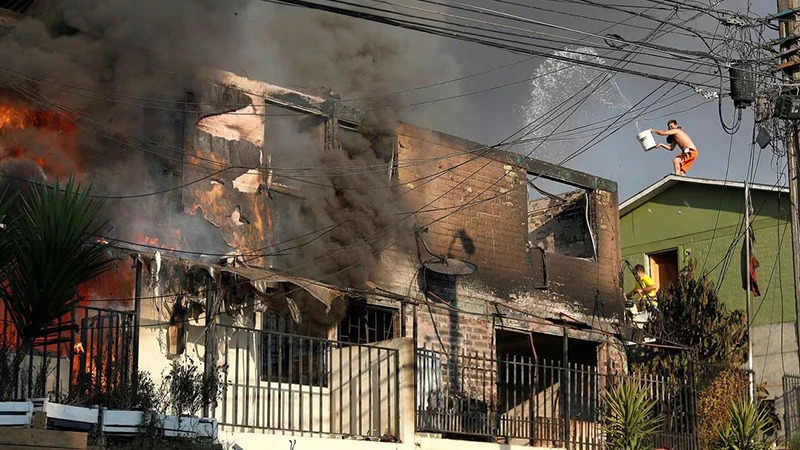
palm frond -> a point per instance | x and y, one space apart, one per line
6 200
53 252
631 420
746 428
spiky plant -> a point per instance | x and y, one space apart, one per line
51 250
746 428
631 420
5 240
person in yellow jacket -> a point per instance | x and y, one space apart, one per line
645 287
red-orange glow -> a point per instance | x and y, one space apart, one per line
112 287
11 117
53 145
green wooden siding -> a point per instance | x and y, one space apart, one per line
684 216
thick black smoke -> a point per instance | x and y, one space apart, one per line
123 71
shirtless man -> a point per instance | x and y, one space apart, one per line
676 136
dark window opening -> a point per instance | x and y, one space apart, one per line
664 268
367 323
531 367
560 219
291 354
516 376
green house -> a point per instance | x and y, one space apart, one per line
680 219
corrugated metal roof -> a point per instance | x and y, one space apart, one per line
671 180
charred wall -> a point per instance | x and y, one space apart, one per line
444 173
558 224
492 232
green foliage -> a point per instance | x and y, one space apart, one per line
745 429
692 315
50 251
187 389
631 419
140 396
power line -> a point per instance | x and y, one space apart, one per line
512 135
719 207
497 43
503 15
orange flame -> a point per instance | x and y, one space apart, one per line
12 118
52 131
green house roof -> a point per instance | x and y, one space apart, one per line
671 180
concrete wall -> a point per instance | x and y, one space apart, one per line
248 441
774 352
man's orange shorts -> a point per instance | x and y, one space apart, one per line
687 159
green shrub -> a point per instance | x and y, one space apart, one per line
745 429
630 421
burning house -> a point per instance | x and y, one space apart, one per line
340 272
301 253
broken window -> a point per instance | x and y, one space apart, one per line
367 323
664 268
559 219
290 353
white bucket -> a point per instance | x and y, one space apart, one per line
646 140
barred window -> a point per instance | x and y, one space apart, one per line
365 323
290 355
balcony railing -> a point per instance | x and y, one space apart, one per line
307 386
90 353
520 401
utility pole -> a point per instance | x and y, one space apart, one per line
748 254
790 62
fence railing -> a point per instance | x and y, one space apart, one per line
89 354
791 404
519 400
305 385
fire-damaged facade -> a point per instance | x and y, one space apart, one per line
345 275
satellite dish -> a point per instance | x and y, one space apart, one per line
450 266
442 264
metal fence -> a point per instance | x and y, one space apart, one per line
791 404
307 386
89 354
520 401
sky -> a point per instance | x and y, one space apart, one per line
418 59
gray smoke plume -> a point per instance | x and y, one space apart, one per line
122 70
357 60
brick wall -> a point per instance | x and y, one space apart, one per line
492 233
559 225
